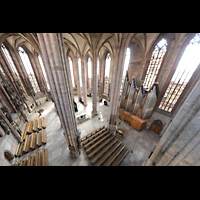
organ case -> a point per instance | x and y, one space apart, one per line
137 103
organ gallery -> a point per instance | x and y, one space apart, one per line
99 99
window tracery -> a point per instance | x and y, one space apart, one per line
184 71
155 63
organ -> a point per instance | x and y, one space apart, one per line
137 103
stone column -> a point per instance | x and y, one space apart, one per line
183 133
94 84
117 72
84 80
52 49
14 132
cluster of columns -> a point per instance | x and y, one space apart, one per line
13 92
58 73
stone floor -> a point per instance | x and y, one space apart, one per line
58 153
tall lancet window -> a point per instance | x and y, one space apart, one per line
43 71
29 69
12 65
126 64
107 72
72 71
155 63
184 71
79 70
89 74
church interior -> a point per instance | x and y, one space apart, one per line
99 99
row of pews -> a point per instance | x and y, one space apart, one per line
38 159
103 148
33 135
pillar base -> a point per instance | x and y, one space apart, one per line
74 153
112 128
94 113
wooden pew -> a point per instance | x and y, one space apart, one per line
94 135
39 158
25 144
32 160
99 141
29 161
35 125
100 146
24 162
32 145
107 154
45 157
43 123
91 133
30 127
28 143
44 136
16 152
96 138
39 123
38 142
120 158
24 131
114 155
21 163
36 158
20 149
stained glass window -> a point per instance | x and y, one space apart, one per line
43 71
12 65
89 74
155 63
29 69
106 77
184 71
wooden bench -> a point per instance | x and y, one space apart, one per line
44 136
38 142
32 145
120 158
21 163
24 131
100 146
94 139
30 127
39 123
25 162
114 155
35 125
106 155
20 149
25 143
91 133
98 155
17 150
93 136
45 157
99 141
36 158
43 123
